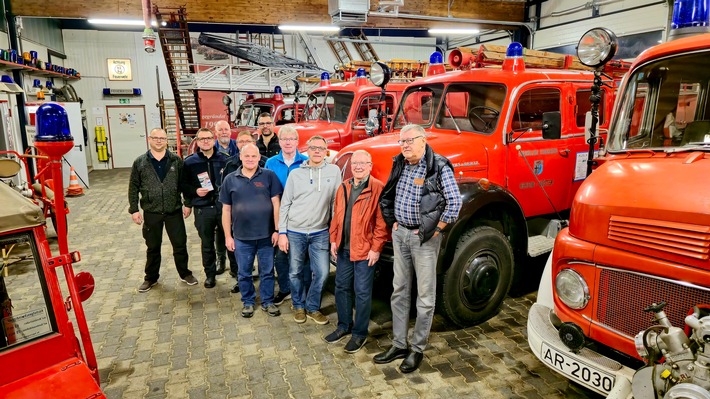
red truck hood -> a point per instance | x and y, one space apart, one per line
70 379
652 204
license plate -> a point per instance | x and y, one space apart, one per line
583 373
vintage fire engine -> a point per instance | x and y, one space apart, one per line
41 353
634 265
340 111
517 186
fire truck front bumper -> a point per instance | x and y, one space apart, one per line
585 367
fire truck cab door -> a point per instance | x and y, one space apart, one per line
540 168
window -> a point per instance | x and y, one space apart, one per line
471 107
584 105
530 107
418 106
24 300
370 104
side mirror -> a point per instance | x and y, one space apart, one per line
372 127
551 125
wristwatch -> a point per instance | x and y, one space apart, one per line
437 229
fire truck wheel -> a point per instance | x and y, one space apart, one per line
479 278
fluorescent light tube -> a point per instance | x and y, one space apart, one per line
123 22
312 28
453 31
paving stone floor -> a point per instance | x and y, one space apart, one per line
177 341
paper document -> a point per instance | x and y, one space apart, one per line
205 181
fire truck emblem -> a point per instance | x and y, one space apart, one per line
538 167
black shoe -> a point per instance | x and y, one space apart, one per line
355 344
146 286
235 289
231 273
411 362
248 311
220 266
336 336
210 282
390 354
281 297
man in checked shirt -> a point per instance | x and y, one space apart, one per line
419 200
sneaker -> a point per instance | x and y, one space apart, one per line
248 311
318 317
355 344
336 336
146 286
271 310
235 289
299 315
281 297
189 280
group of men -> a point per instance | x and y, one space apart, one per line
263 199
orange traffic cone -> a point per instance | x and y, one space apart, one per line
74 189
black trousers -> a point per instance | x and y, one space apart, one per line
153 234
208 222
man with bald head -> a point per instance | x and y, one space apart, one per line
224 142
250 214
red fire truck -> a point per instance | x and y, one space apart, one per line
41 353
517 186
634 265
340 111
282 110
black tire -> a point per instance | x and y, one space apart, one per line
474 287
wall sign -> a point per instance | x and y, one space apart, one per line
119 69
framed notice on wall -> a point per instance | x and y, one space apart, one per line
119 69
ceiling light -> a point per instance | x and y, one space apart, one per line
123 22
317 28
453 31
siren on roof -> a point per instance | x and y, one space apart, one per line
324 79
436 64
278 93
361 77
690 17
514 61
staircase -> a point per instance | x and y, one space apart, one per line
363 46
177 51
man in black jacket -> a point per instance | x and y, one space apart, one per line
203 178
419 200
267 142
156 178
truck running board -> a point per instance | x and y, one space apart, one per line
538 245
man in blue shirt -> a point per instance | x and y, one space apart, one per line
224 142
250 197
283 163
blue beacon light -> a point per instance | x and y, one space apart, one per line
52 123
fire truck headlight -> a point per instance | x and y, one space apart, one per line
571 288
597 47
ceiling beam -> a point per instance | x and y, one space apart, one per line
275 12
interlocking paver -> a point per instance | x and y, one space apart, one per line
180 342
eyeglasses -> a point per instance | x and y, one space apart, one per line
289 139
245 141
158 138
205 139
361 163
408 141
316 148
265 123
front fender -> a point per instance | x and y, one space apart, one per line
479 205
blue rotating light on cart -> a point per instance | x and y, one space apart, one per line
52 123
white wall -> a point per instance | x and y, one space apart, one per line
88 51
622 17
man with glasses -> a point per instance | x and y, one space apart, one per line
203 178
303 227
357 234
243 138
419 200
283 163
156 183
267 142
224 142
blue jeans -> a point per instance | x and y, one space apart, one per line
246 251
281 265
316 245
355 275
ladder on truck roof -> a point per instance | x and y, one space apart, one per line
246 78
177 51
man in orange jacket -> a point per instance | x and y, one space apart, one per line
357 234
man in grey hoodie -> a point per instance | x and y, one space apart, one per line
304 220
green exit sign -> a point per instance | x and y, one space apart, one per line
124 100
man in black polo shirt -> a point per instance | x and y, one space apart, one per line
157 176
250 197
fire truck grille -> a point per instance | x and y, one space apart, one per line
684 239
622 296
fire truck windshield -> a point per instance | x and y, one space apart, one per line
332 106
466 107
665 106
249 113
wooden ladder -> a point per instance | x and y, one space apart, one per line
367 53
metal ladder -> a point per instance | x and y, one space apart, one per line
341 51
309 48
170 123
177 51
363 46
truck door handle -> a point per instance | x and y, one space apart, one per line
564 152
